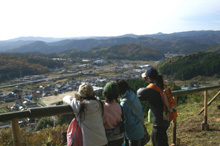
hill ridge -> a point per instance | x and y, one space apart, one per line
180 42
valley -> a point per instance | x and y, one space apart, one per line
39 73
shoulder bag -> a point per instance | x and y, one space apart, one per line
146 137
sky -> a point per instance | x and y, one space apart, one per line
81 18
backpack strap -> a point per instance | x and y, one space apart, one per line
74 134
122 115
155 87
166 101
102 106
163 95
133 107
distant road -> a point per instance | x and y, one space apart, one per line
24 83
40 80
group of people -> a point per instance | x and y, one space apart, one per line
98 119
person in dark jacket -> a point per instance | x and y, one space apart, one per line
160 126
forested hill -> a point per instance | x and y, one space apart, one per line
126 51
214 48
16 65
187 67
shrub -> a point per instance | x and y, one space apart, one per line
43 122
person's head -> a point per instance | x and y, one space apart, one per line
85 91
151 75
111 91
123 86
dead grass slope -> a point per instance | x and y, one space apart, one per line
189 125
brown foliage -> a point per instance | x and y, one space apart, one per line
51 135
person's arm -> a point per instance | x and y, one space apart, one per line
142 94
67 99
73 102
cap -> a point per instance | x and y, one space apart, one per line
112 89
86 90
152 73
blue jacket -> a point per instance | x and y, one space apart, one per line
133 127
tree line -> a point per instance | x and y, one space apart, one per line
19 65
187 67
125 51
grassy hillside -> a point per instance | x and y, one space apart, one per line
189 123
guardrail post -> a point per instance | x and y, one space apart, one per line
205 125
16 132
210 102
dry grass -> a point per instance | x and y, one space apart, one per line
56 98
190 130
189 125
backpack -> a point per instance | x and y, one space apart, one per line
74 134
170 110
116 133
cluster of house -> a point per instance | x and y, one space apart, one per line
98 83
133 71
24 100
20 103
26 96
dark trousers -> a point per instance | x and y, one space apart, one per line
159 136
132 142
118 142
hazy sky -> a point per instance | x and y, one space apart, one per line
75 18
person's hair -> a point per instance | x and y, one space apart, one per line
158 80
123 86
82 110
83 106
109 97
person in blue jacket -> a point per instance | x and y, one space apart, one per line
134 130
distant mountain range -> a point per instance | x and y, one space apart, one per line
180 42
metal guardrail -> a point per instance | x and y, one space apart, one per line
37 112
66 109
190 91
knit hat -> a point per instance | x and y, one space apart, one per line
111 88
85 90
152 73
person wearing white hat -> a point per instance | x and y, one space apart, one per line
88 111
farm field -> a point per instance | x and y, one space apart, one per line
49 100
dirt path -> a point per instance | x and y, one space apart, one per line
54 99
